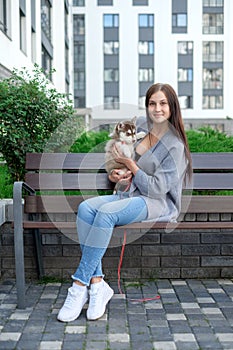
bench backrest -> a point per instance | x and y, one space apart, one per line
85 172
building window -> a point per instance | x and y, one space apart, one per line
212 51
140 2
111 47
33 31
141 102
79 52
105 2
66 46
111 61
79 80
46 18
212 102
145 55
22 31
146 74
111 75
79 25
179 20
212 75
213 78
66 19
213 3
146 47
186 102
146 20
67 61
185 47
111 102
3 16
78 2
111 21
179 16
33 45
185 74
213 17
79 102
46 62
212 23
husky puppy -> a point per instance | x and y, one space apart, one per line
124 136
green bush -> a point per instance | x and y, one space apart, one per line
30 112
91 141
202 140
207 139
6 187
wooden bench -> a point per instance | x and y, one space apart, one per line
53 179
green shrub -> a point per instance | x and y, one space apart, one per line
6 186
91 141
202 140
208 140
30 112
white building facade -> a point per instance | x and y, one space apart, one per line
121 47
106 53
37 31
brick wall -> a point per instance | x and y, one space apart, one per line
155 254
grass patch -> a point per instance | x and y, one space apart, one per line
52 279
6 186
138 284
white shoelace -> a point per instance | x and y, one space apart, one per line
69 299
94 297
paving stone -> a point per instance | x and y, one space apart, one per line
73 345
191 314
162 345
9 336
96 345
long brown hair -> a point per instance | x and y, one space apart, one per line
175 119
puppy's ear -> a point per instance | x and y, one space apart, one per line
115 131
120 126
133 120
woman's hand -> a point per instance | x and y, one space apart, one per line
116 175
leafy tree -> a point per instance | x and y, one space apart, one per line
30 112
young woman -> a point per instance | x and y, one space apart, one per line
157 174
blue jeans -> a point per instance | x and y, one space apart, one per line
96 220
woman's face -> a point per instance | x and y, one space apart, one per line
158 108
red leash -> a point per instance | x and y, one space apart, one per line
119 275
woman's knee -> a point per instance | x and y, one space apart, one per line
82 209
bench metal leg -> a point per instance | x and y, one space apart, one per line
19 244
37 237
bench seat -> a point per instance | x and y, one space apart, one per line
55 184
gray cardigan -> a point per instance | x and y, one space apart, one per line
160 178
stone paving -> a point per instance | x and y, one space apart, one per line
190 314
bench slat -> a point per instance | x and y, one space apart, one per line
68 204
88 161
213 181
65 161
212 161
142 226
58 181
92 181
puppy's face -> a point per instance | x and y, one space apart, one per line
126 132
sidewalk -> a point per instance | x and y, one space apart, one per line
191 314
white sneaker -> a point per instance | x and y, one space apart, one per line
76 298
100 294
